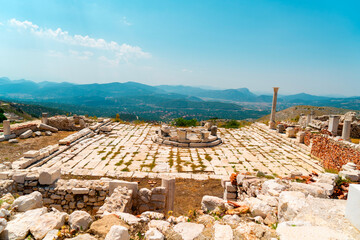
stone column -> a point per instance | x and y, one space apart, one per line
333 124
308 119
272 123
169 184
6 127
346 130
44 119
181 135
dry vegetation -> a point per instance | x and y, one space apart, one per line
12 152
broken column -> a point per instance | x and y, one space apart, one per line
308 119
44 118
333 124
346 130
272 123
181 134
214 130
169 184
6 127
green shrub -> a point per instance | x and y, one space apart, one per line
181 122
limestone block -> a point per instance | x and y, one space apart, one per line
188 230
26 134
19 177
158 197
19 227
272 188
311 189
353 175
28 202
45 127
352 211
31 154
49 176
4 175
290 204
80 191
130 185
6 127
48 222
209 203
329 178
118 232
80 220
230 188
105 129
3 224
48 133
154 234
13 141
222 232
259 207
290 132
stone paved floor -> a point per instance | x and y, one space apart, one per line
129 148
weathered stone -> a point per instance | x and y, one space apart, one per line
19 177
154 234
130 185
48 222
53 234
49 176
311 189
290 203
80 220
160 225
19 227
118 233
222 232
80 191
85 236
258 207
3 224
26 134
152 215
28 202
209 203
290 132
188 230
272 188
45 127
353 175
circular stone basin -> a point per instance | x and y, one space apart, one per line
187 137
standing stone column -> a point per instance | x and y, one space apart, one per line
346 130
308 119
6 127
169 184
333 124
44 119
272 123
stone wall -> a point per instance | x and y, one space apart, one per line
333 153
88 195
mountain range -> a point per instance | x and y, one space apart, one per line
163 102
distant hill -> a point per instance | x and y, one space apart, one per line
162 102
28 111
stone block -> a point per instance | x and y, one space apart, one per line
49 176
230 188
130 185
80 191
4 175
32 154
19 177
352 211
26 134
45 127
158 197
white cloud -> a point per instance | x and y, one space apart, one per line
84 55
120 51
1 24
53 53
126 22
187 70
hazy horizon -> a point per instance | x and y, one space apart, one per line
300 46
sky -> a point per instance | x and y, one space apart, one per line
298 45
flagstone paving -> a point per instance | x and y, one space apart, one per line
129 148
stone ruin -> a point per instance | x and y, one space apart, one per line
205 136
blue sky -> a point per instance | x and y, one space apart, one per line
298 45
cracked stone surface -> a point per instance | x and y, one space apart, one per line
128 150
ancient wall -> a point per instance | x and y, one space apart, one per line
89 195
333 153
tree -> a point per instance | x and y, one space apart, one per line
181 122
2 116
